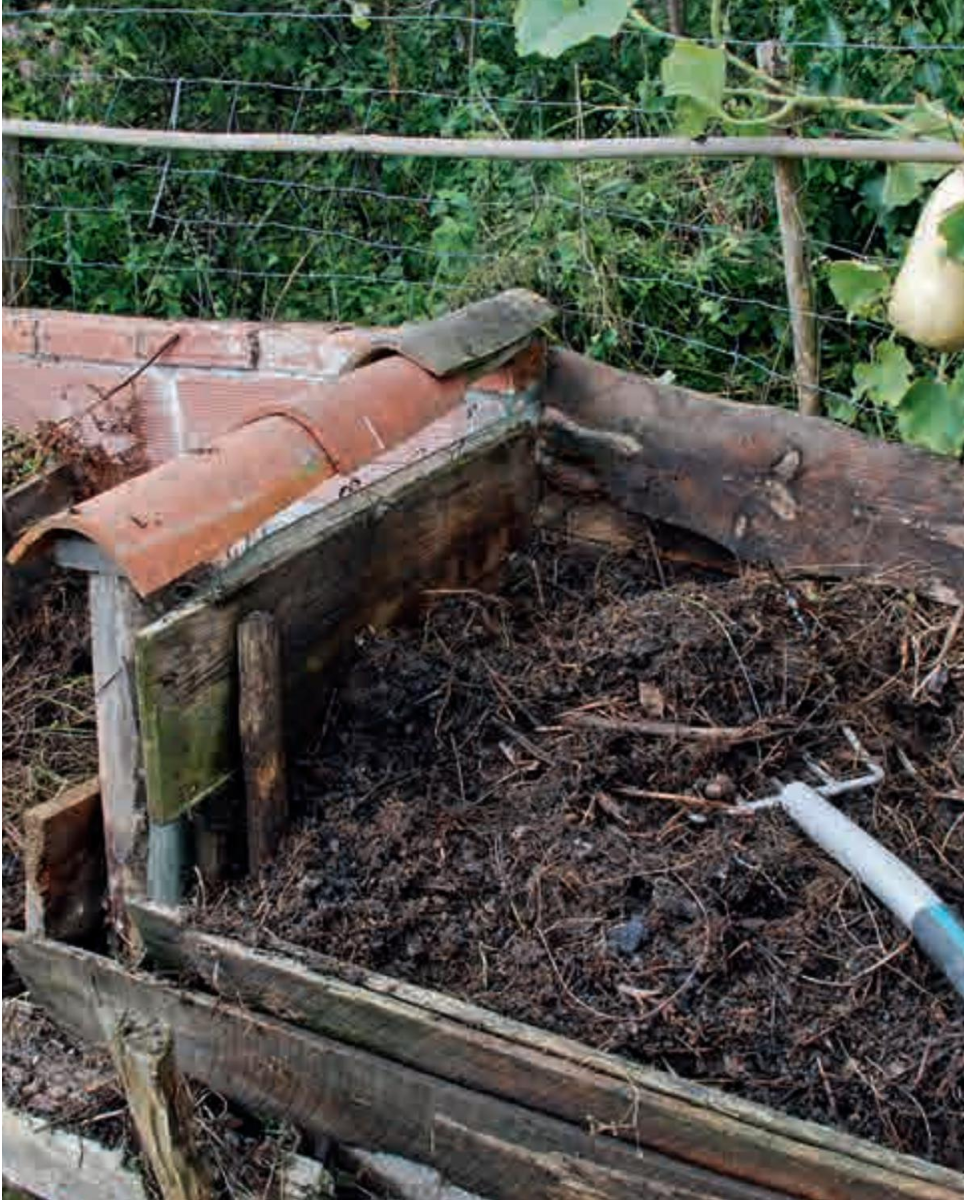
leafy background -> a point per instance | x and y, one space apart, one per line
657 266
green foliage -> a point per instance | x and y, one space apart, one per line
932 415
952 232
550 27
657 266
903 182
858 286
886 379
696 76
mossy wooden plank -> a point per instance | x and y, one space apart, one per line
446 521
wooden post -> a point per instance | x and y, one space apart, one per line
787 177
261 729
64 864
13 229
143 1055
116 615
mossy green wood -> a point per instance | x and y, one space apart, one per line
448 520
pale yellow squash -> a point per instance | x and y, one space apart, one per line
927 304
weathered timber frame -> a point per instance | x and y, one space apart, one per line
498 1106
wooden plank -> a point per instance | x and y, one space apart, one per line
447 521
808 495
52 1164
116 615
327 1087
261 731
143 1055
393 1175
64 865
13 226
471 1046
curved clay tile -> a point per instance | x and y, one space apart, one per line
160 525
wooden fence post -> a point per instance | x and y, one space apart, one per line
787 177
144 1058
13 229
262 736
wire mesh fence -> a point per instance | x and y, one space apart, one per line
670 268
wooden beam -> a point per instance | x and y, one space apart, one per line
445 521
52 1164
807 495
327 1087
468 1045
262 736
513 149
158 1103
13 228
64 864
40 496
787 180
116 615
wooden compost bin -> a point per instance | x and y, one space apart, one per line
501 1107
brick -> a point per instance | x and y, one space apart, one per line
87 337
35 390
213 404
311 349
159 415
200 343
19 332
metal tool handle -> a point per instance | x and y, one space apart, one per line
935 927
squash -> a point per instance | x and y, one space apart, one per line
927 303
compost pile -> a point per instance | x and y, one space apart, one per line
479 814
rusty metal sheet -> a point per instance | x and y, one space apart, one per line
471 337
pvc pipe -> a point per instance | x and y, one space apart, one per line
935 926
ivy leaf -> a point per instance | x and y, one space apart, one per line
359 14
932 415
903 181
952 232
886 379
858 285
695 73
549 27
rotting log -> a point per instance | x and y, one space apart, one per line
804 494
261 732
479 1049
158 1103
64 864
327 1087
449 520
52 1164
116 615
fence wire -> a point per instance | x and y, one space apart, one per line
669 268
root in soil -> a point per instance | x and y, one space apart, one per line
463 825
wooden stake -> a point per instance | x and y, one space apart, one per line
787 177
116 615
261 729
143 1054
13 239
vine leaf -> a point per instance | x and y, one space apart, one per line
952 232
549 27
932 415
858 285
696 76
886 378
903 181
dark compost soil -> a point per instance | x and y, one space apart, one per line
457 831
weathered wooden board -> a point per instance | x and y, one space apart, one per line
64 865
804 494
447 521
327 1087
468 1045
53 1164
